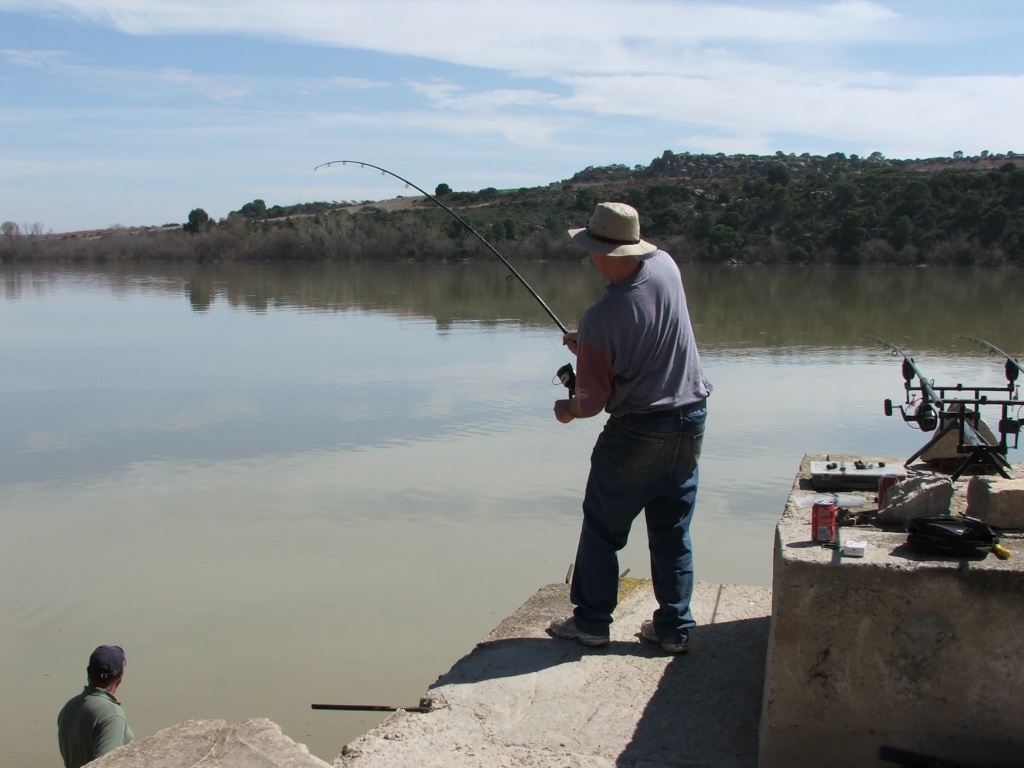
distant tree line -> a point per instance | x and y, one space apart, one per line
959 211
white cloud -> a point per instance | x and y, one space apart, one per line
454 96
34 59
736 97
89 77
474 91
527 130
209 87
355 83
530 36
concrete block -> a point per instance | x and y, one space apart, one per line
997 501
923 494
256 742
895 648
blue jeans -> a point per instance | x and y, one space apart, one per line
649 465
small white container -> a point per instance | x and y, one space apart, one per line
854 548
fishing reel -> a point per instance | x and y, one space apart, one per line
567 376
924 415
923 412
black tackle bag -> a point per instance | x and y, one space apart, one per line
953 535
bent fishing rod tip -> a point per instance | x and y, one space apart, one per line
466 224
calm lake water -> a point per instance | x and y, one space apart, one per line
276 486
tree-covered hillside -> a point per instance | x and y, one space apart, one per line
702 208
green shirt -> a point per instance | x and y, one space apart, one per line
90 725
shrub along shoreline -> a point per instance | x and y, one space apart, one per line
780 209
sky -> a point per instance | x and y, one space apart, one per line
135 112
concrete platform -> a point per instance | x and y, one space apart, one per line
899 648
522 698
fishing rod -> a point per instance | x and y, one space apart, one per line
566 375
924 414
1013 367
462 221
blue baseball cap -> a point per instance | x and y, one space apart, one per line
106 662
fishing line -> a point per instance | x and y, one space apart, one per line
462 221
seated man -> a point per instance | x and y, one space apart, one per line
93 723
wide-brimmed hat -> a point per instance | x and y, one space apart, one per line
614 230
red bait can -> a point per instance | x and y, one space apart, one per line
823 521
885 484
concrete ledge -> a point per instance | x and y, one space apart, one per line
899 648
522 698
257 742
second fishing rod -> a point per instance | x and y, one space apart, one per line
566 375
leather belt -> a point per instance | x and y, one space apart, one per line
682 410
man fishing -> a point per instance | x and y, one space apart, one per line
637 360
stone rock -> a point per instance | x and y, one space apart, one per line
256 742
914 497
997 501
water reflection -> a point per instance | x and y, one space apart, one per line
279 485
760 307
